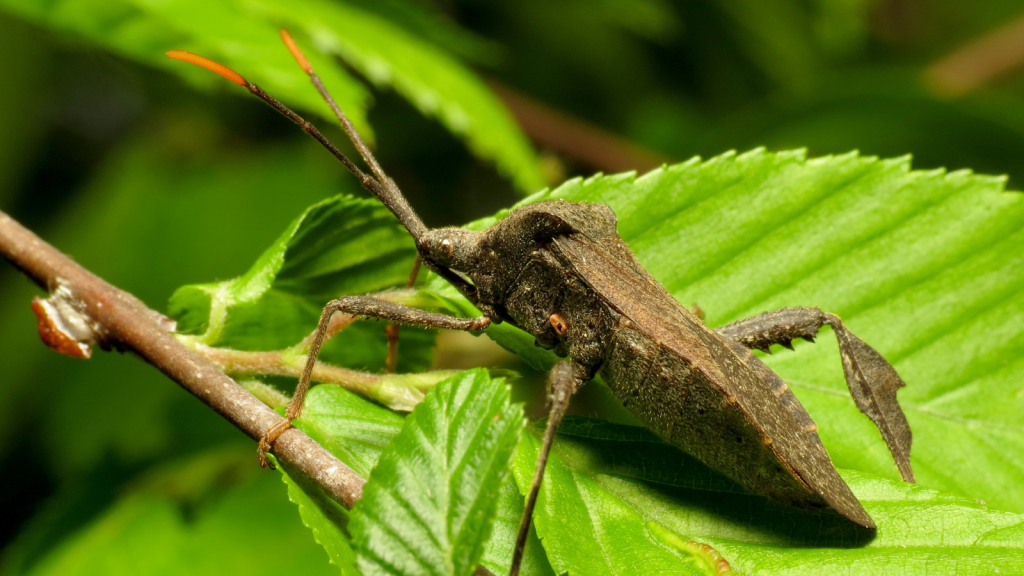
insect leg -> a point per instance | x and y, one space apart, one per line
564 381
392 329
775 327
873 382
367 307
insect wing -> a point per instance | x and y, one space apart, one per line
611 269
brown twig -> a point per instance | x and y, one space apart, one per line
575 138
995 54
122 321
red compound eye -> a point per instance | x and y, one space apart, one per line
559 324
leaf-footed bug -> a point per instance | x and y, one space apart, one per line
560 271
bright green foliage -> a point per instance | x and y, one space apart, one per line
586 530
615 496
432 23
498 555
350 427
357 431
432 495
919 264
429 503
243 34
426 76
326 519
924 266
340 246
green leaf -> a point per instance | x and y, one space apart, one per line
498 554
431 23
357 431
923 265
343 245
326 519
349 426
228 32
586 530
243 34
430 501
615 496
916 263
389 56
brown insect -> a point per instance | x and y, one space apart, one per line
560 271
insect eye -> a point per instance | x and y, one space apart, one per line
559 324
447 245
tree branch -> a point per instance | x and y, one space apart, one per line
122 321
575 138
993 55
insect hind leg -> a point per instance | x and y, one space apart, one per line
776 327
873 382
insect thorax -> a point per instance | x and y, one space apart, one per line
532 283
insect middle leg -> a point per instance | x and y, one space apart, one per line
565 379
367 307
873 382
392 329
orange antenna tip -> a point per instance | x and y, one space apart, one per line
294 49
209 65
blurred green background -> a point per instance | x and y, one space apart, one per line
154 184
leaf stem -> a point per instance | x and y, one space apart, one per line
396 391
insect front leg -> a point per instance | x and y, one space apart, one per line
366 307
565 379
873 382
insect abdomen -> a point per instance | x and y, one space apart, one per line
685 409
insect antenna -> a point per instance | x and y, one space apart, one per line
382 187
346 124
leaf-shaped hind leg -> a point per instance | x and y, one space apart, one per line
565 379
365 307
872 380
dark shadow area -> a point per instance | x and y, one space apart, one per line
675 478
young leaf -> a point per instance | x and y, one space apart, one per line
349 426
604 475
326 519
243 35
429 504
924 266
343 245
357 431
